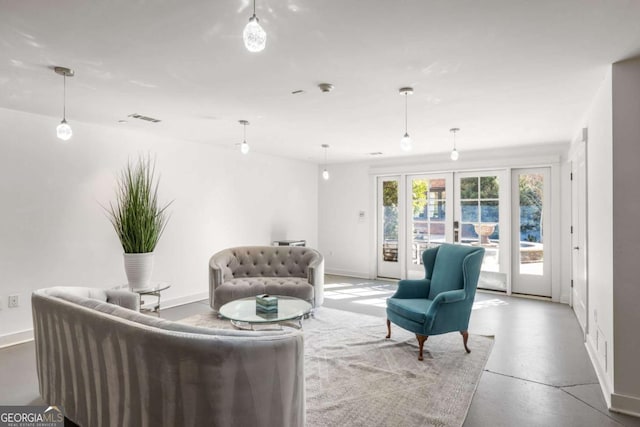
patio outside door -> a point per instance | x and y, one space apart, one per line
429 217
481 219
389 226
531 263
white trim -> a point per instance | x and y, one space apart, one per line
16 338
187 299
349 273
603 378
629 405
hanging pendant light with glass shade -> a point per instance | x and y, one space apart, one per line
63 131
244 147
405 143
255 38
325 172
454 153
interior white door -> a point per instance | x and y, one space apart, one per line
389 227
579 294
429 217
530 210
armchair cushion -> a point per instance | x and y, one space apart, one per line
412 309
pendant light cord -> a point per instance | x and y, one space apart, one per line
64 97
254 7
454 140
244 126
405 112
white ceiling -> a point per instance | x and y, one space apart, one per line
507 72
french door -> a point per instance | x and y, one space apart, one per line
481 218
389 227
531 266
507 212
429 217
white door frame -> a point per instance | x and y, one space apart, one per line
389 269
504 221
523 283
579 243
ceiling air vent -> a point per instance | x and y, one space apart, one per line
145 118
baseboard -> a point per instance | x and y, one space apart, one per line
15 338
565 299
629 405
603 379
338 272
187 299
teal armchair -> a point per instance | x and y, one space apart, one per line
442 301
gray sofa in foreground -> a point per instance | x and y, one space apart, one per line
111 366
247 271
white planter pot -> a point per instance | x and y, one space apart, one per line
138 268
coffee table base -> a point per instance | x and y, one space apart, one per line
247 326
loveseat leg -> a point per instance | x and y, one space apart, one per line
465 338
421 341
388 329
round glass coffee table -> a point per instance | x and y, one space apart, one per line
243 314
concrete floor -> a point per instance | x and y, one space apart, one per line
538 373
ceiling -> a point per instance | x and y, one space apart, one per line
507 72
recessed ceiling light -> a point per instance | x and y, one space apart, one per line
295 92
376 153
123 121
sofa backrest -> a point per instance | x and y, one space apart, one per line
110 366
266 261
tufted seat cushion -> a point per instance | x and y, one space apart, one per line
246 271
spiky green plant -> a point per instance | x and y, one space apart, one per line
136 215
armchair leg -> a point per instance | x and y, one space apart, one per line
465 338
421 341
388 329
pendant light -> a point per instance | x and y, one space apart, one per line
454 153
325 172
244 147
405 143
63 130
254 36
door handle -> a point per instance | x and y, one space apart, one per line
576 248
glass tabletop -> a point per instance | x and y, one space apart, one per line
244 310
152 289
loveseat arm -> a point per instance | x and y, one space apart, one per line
123 298
315 276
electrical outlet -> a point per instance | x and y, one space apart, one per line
14 301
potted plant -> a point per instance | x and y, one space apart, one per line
139 219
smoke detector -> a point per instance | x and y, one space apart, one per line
325 87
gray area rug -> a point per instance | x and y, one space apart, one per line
356 377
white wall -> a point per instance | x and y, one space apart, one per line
599 232
344 240
626 235
54 232
352 189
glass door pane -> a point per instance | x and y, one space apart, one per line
530 214
429 219
479 215
388 228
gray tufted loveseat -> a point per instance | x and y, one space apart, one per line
246 271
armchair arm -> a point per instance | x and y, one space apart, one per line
408 289
450 296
